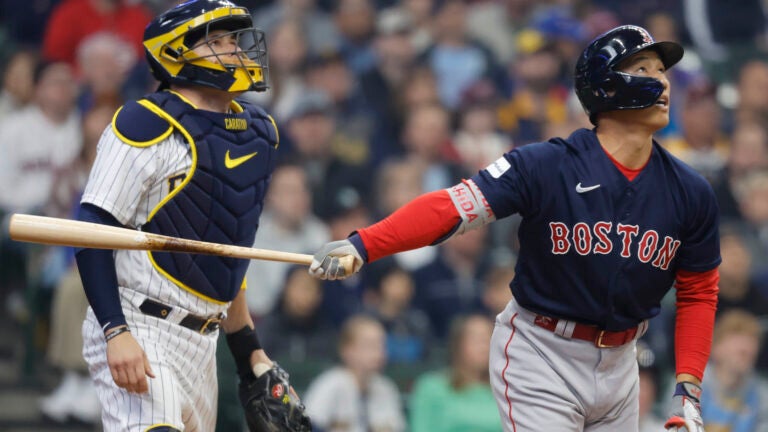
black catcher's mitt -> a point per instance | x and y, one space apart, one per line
270 405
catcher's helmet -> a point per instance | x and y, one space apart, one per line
169 40
601 88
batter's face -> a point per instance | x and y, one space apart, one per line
648 64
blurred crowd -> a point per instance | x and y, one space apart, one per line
378 101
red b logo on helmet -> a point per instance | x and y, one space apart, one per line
278 391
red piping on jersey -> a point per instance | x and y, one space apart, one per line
504 371
695 319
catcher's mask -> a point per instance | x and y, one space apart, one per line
601 88
169 40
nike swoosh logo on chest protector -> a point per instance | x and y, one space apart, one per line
232 163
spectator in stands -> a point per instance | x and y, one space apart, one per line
427 139
737 287
398 181
17 85
734 396
751 85
310 130
702 144
356 21
478 140
408 329
296 331
354 396
752 196
533 96
34 143
38 140
287 224
321 33
71 21
328 72
75 397
459 398
420 89
742 282
287 55
457 60
495 23
382 82
748 152
105 62
452 284
565 32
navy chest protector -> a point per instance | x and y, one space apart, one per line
220 198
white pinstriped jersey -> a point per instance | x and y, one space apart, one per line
129 182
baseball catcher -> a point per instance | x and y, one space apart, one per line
189 160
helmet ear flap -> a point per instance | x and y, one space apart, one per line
608 86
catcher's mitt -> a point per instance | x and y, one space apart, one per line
270 404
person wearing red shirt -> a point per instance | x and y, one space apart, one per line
74 20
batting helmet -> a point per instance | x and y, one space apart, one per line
169 40
601 88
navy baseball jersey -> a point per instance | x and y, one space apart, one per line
596 247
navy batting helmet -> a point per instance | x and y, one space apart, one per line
601 88
169 40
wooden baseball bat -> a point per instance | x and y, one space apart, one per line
66 232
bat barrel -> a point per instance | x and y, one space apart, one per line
64 232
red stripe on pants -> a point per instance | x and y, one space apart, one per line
504 371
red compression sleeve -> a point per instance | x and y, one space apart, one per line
418 223
695 319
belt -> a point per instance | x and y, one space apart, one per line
199 324
572 329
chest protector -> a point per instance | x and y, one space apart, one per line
221 196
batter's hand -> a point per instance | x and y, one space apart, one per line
128 363
325 263
685 414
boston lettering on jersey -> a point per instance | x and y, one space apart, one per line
602 255
585 239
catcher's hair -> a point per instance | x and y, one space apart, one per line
459 376
736 321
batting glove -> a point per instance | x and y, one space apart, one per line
686 413
326 265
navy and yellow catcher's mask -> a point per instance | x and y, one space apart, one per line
170 38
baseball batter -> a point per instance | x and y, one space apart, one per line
611 221
186 161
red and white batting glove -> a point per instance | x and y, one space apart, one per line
326 265
685 414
